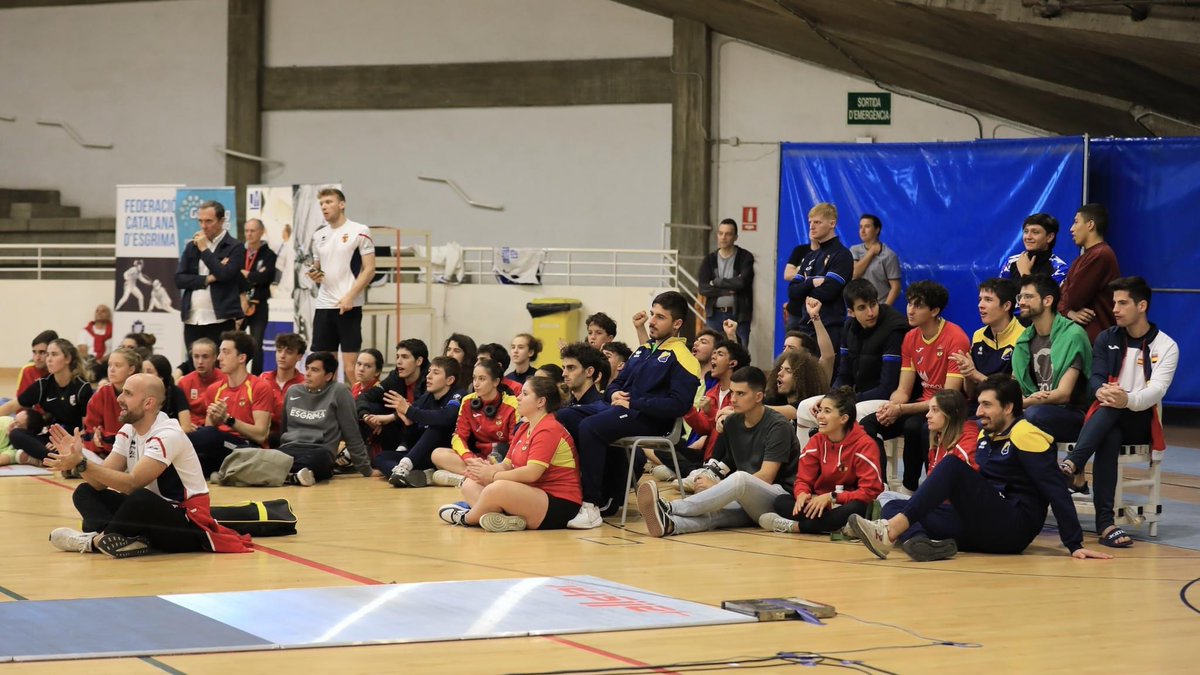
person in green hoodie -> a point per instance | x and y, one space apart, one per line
1051 361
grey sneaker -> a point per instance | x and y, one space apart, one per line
663 473
873 534
776 523
419 479
305 477
121 546
398 475
499 522
444 478
923 549
66 539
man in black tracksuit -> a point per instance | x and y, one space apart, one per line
819 270
407 380
428 424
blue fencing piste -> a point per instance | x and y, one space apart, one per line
1151 187
951 211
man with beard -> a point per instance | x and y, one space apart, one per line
148 494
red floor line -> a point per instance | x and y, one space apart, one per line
602 652
373 582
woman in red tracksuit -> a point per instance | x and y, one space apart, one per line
103 418
486 420
838 473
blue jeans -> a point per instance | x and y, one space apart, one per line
718 317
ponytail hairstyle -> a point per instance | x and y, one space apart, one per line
954 406
845 403
544 387
74 363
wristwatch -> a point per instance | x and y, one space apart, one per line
229 421
82 465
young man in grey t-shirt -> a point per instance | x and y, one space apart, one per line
759 447
876 262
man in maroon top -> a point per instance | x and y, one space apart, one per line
1086 299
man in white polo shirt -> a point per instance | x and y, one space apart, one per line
343 264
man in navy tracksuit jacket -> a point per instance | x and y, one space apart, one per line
819 270
209 277
656 387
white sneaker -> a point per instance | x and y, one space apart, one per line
66 539
662 473
398 476
444 478
305 477
774 522
499 522
873 534
588 518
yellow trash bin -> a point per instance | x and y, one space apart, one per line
554 320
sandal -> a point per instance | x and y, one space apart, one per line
1110 539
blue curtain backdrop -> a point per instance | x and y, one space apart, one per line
951 211
1151 187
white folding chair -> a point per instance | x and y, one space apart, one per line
635 443
1133 513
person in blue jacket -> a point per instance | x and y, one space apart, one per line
819 270
209 277
656 387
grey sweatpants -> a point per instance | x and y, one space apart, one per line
737 501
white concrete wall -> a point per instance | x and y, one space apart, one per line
148 77
34 306
763 98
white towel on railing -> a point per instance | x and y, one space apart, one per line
518 265
446 261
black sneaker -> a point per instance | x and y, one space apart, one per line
654 510
121 546
417 478
923 549
396 479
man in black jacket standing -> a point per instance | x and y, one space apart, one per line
210 278
259 272
727 283
819 270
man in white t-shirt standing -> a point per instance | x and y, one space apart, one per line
343 264
148 494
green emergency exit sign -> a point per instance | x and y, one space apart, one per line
868 108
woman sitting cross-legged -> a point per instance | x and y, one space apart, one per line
537 486
838 474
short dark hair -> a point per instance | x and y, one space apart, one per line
493 369
293 342
544 387
717 337
44 338
1045 221
1008 392
450 367
417 348
1097 214
374 354
875 221
1004 290
736 352
243 343
751 376
1043 285
496 352
535 345
331 191
553 370
328 361
465 343
587 356
860 289
619 348
728 221
603 321
929 293
808 342
674 303
217 207
1136 287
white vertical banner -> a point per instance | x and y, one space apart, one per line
145 299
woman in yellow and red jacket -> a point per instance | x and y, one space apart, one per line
486 419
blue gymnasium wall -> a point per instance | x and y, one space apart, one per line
951 211
1151 187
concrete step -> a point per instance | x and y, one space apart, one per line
36 210
53 225
61 237
12 196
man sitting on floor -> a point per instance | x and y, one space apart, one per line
238 409
149 493
430 421
758 445
317 418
